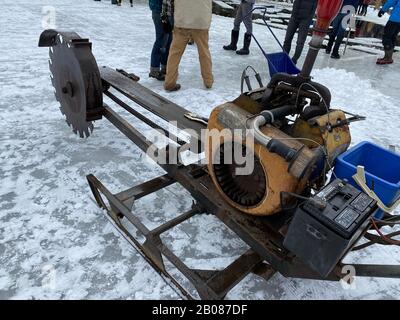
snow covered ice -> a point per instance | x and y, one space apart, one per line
54 240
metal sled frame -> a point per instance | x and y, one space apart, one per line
264 235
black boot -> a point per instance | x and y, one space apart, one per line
335 55
246 45
234 40
335 52
156 73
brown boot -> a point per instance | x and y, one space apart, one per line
175 88
387 59
208 84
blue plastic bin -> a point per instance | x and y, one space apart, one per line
382 170
281 62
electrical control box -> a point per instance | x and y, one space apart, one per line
325 227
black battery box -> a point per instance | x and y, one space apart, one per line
325 227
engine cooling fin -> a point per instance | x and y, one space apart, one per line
246 190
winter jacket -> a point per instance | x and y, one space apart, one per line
395 15
193 14
155 5
304 9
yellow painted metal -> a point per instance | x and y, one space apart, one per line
336 140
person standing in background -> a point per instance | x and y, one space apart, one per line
364 8
192 20
244 15
167 16
339 26
159 54
120 2
301 19
392 29
360 7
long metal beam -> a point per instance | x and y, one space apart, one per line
156 104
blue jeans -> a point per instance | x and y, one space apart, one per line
337 34
338 30
159 54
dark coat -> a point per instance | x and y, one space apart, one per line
304 9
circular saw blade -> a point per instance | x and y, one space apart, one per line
76 80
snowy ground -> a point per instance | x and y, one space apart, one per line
56 243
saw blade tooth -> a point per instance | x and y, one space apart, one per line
81 135
51 64
53 83
87 133
74 130
91 127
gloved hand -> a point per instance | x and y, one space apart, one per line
166 24
381 13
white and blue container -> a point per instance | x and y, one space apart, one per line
382 170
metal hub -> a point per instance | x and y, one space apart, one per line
245 190
76 79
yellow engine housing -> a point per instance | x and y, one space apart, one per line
278 179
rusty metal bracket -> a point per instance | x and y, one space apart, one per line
209 284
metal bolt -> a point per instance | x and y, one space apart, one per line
67 89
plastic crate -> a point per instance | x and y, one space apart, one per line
382 170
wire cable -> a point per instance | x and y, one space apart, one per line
383 236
